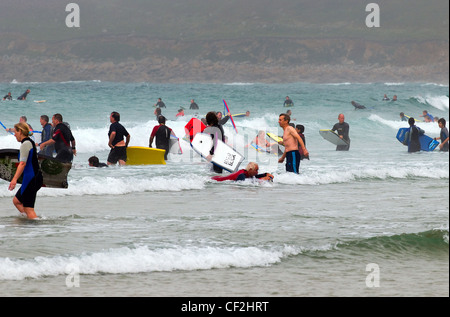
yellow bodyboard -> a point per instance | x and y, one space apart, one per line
140 155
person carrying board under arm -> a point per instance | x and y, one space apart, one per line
343 130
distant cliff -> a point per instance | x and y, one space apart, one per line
223 41
271 60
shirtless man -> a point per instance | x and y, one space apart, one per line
291 141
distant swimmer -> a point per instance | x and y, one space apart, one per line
160 103
357 105
251 171
193 105
24 95
386 98
180 113
8 96
288 102
394 98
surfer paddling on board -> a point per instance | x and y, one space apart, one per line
357 105
249 172
25 197
24 95
291 142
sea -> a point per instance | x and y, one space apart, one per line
369 222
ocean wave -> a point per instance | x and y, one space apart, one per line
431 241
311 177
142 259
438 102
142 181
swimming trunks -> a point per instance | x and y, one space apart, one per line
293 161
119 153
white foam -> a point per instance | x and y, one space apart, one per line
141 259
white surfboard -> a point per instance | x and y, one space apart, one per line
224 155
174 145
332 137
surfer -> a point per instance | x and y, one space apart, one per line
288 102
24 95
394 98
342 129
357 105
25 197
180 113
8 96
412 136
427 117
291 141
94 162
162 134
403 117
160 103
62 139
193 105
262 143
214 129
443 135
249 172
386 98
117 133
47 132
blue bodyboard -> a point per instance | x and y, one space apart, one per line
426 143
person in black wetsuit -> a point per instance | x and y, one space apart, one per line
162 134
412 136
8 96
24 95
288 102
117 135
342 129
215 130
193 105
160 104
